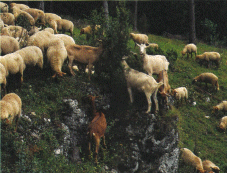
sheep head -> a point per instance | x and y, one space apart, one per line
142 48
215 109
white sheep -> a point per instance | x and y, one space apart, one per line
50 30
13 64
4 7
189 49
139 38
223 123
207 78
83 54
11 107
141 82
7 18
32 55
37 15
62 25
153 64
209 57
17 13
8 45
191 159
20 6
180 93
220 107
68 40
51 16
56 55
210 166
1 24
3 77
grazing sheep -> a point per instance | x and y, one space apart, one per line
209 57
40 39
11 106
153 45
141 82
96 128
7 18
33 30
139 38
4 7
189 49
180 93
210 166
88 30
66 39
83 54
223 123
8 45
56 55
191 159
19 6
3 77
207 78
220 107
63 25
152 64
50 30
32 55
13 64
37 15
17 12
51 16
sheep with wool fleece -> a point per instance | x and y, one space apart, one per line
141 82
223 123
51 16
1 24
83 54
62 25
56 55
32 55
4 8
153 64
7 18
210 166
68 40
11 107
19 6
189 49
35 29
220 107
180 93
191 159
8 45
153 45
36 14
209 57
50 30
139 38
17 12
3 77
13 64
207 78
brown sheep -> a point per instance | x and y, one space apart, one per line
20 6
139 38
37 15
62 25
209 57
7 18
220 107
4 7
97 128
210 166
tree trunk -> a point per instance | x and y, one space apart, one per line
135 16
106 11
192 32
41 5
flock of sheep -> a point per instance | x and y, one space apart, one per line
56 48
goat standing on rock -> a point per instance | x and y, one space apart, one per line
97 128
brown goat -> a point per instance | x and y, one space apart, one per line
96 128
83 54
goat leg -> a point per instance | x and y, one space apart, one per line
148 95
130 94
97 140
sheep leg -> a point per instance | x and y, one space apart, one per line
130 94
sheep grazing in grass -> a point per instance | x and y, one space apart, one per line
56 55
189 49
88 30
210 166
141 82
4 7
191 159
209 57
63 25
220 107
153 45
11 106
97 128
66 39
207 78
19 6
180 94
223 123
51 16
17 13
7 18
8 45
37 15
32 55
139 38
3 78
153 64
84 55
13 64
